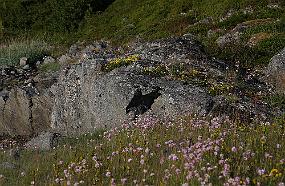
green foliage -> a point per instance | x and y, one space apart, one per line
11 53
276 100
158 71
221 88
250 56
67 21
46 15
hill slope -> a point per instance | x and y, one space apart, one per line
150 19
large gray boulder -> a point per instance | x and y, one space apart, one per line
275 71
86 99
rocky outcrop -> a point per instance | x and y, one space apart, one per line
101 87
25 101
87 98
22 114
276 71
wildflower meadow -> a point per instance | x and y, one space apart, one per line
148 151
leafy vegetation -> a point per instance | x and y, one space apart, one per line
187 151
46 16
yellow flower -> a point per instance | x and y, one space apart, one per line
263 139
273 172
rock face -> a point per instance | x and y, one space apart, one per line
276 71
21 114
87 98
85 101
103 87
25 102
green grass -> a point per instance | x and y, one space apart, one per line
11 52
149 152
127 20
152 19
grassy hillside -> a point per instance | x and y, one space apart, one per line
127 20
154 19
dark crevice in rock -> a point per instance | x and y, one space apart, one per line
141 103
210 105
5 97
30 92
31 114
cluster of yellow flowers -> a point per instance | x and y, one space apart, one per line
118 62
219 88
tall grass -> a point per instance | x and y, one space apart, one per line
186 151
11 53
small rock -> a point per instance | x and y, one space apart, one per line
38 63
228 39
23 61
74 49
44 141
26 67
48 60
275 71
7 165
64 59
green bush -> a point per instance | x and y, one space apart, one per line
34 50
